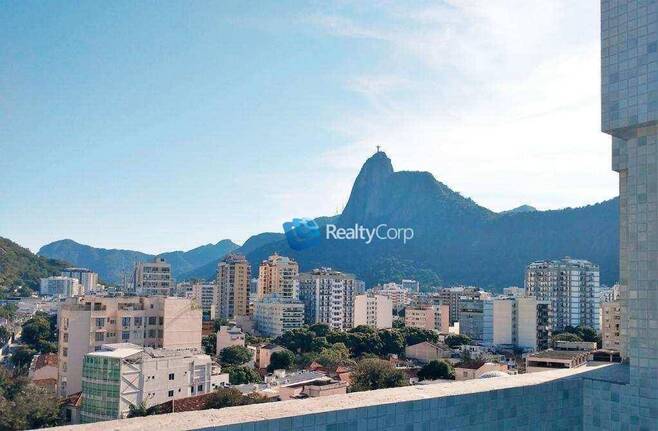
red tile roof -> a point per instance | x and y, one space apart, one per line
49 359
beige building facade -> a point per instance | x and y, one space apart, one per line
88 322
373 310
278 274
431 317
233 278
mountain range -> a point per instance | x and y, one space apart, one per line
456 241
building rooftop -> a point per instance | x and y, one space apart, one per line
210 419
43 360
558 354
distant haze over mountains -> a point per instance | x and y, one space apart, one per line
456 240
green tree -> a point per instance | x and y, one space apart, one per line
333 356
298 340
140 410
361 342
229 397
392 341
4 335
235 355
416 335
436 370
282 360
370 374
40 333
320 329
218 323
8 311
22 357
457 340
31 407
209 343
566 336
238 375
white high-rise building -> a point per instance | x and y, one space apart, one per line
153 278
328 297
60 286
517 321
572 287
373 310
87 278
276 314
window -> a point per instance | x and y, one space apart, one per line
152 320
152 333
138 321
100 322
100 336
171 376
66 337
200 388
161 319
125 335
65 351
171 393
125 321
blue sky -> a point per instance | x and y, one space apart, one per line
150 127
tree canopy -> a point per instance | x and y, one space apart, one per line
230 397
436 370
235 355
24 405
40 333
282 360
371 373
238 375
456 340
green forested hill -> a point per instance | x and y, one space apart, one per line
20 267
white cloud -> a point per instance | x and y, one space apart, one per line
500 100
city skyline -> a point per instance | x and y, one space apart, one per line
124 134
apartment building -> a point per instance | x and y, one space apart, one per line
233 279
88 322
517 322
328 297
373 310
276 314
410 286
60 286
87 278
394 291
206 296
152 278
431 317
452 296
572 286
279 275
611 325
229 336
122 375
471 318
